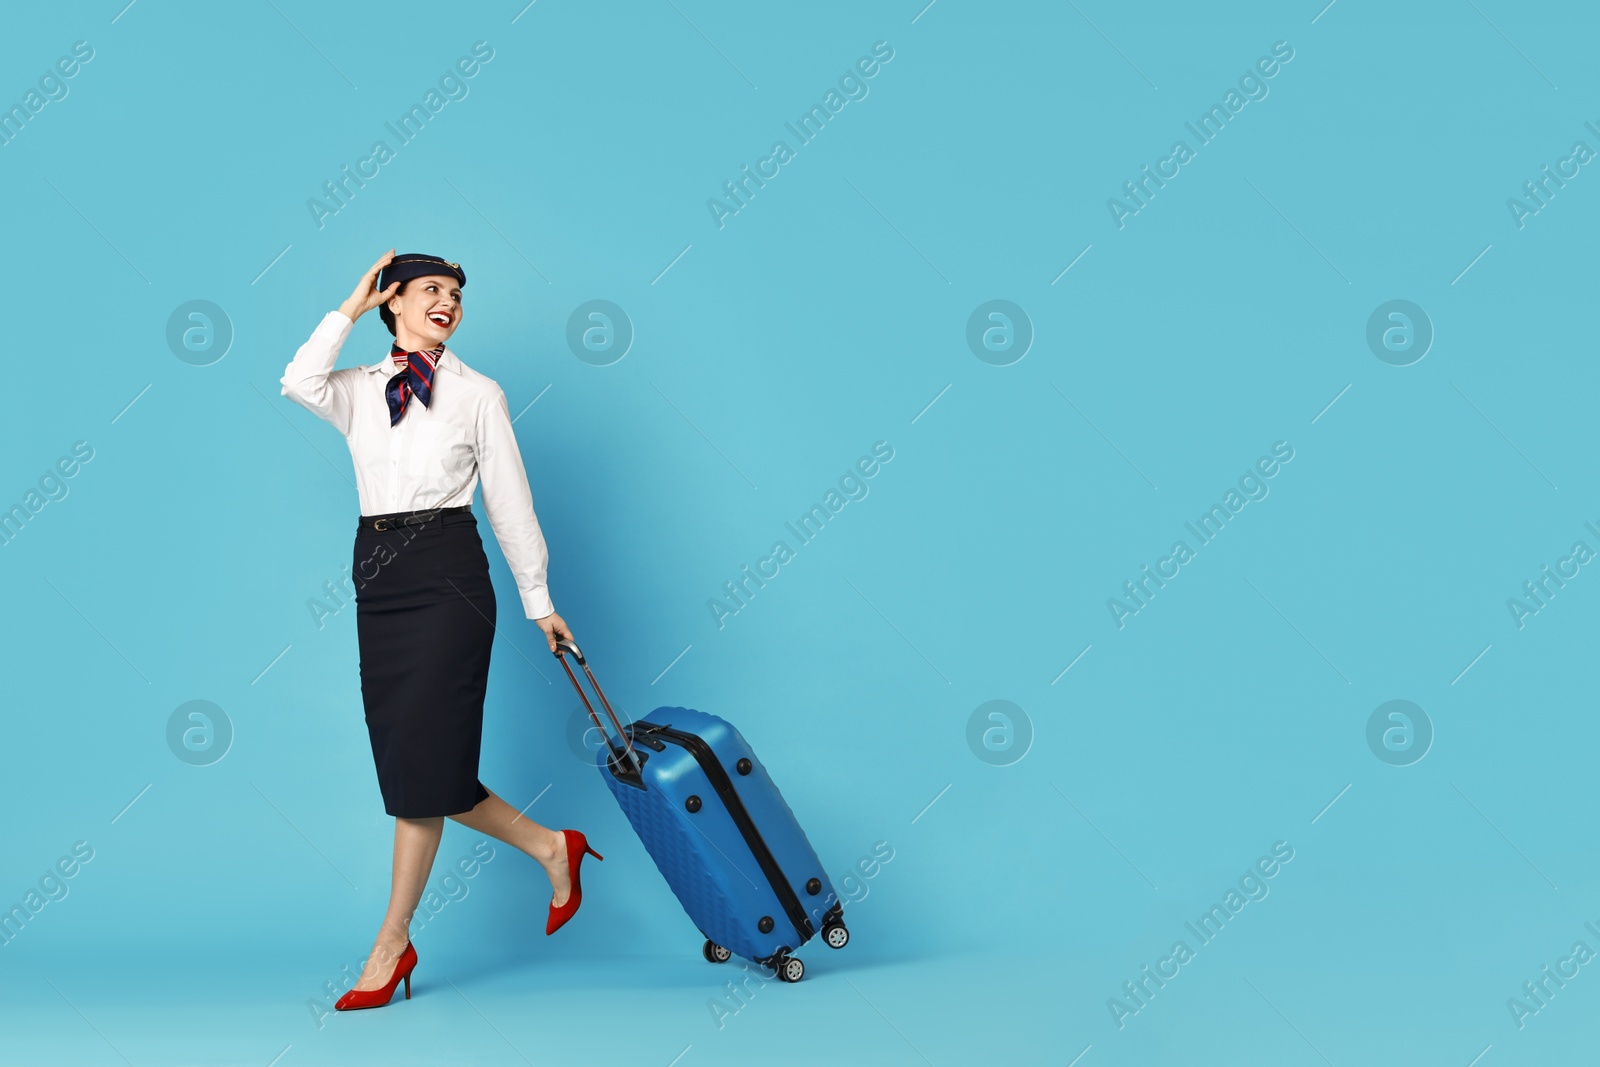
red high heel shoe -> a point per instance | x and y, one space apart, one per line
577 847
377 998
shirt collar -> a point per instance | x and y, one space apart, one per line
447 361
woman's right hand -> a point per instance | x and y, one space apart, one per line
366 295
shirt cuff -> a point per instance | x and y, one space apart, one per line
536 603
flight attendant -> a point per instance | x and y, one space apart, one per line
424 429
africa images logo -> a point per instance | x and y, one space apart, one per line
1207 128
1252 487
852 486
1252 887
452 87
807 128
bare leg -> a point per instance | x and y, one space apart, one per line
548 848
416 841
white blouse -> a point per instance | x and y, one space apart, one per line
434 456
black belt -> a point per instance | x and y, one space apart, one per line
407 518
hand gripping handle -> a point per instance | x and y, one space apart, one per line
564 648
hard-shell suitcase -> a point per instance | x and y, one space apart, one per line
719 831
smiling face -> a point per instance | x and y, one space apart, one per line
426 311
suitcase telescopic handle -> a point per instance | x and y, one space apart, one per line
565 648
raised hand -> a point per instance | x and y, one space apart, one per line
366 295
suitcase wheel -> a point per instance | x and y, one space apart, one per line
789 969
715 953
835 935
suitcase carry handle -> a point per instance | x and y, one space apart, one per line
564 646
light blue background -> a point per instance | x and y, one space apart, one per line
824 317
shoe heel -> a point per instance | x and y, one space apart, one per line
592 852
408 987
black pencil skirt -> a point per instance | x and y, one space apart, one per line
425 615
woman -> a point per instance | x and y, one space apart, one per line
423 429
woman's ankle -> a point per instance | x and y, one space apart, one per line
391 941
549 850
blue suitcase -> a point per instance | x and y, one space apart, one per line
719 831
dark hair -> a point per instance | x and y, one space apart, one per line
383 309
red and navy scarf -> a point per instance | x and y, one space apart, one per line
416 376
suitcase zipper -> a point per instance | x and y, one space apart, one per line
718 776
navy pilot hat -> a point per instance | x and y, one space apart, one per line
415 265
